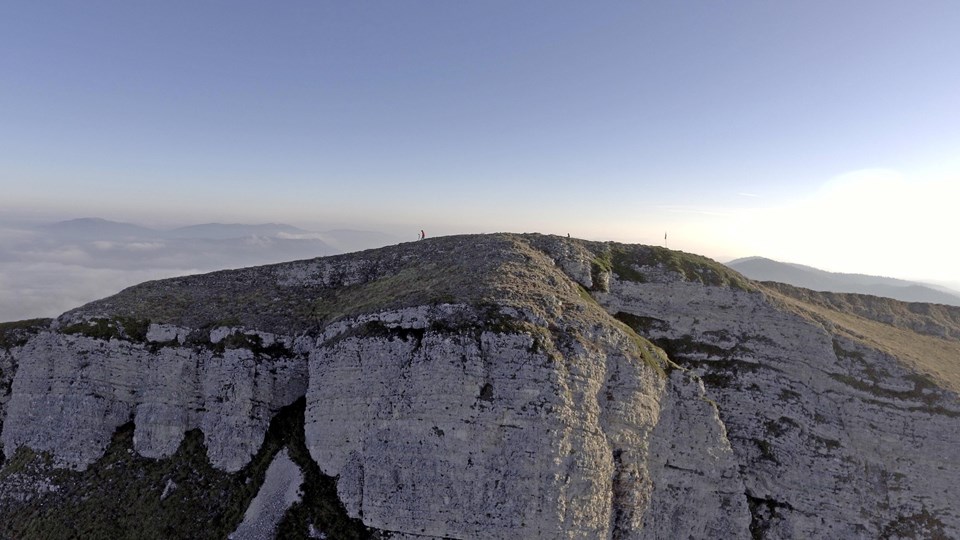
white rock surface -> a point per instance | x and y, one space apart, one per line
280 490
163 333
698 492
72 392
454 434
824 446
441 423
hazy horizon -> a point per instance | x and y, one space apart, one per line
409 231
48 268
819 133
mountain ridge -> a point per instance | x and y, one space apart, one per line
500 385
104 229
799 275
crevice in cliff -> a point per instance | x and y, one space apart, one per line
630 483
377 329
621 506
765 514
320 508
696 472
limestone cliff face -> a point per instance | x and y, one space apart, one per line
833 438
466 432
13 336
503 386
72 392
699 492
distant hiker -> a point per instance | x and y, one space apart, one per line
422 234
568 235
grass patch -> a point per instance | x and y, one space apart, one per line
697 268
618 260
252 343
623 264
923 391
641 324
843 353
585 294
600 266
17 333
718 379
627 261
123 328
429 284
652 356
920 525
104 329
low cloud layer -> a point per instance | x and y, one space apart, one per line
47 270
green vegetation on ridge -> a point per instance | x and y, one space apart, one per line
16 333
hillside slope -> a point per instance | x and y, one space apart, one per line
798 275
484 386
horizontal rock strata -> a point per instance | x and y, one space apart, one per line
72 392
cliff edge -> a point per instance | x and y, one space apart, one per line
485 386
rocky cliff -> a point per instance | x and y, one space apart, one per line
483 386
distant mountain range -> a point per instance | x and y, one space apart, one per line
223 231
49 268
97 229
762 269
102 229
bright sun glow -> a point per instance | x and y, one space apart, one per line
871 218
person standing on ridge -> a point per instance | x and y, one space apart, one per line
422 234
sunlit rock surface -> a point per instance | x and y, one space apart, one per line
504 386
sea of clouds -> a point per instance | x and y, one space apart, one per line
48 269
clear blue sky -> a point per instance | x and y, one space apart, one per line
731 124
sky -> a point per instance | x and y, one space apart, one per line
818 132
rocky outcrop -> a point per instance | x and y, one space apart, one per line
698 490
465 432
72 392
826 431
13 336
503 386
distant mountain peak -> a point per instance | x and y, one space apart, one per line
90 221
232 230
95 227
808 277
